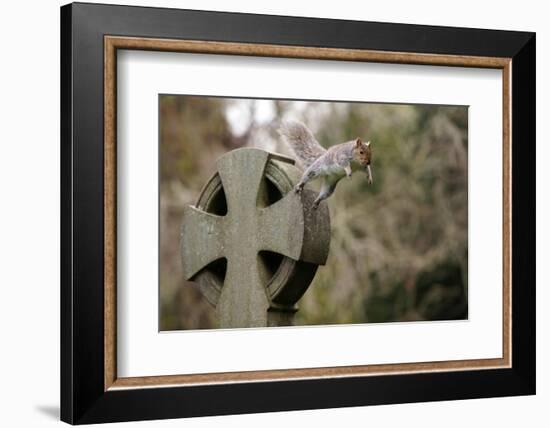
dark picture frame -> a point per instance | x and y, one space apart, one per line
90 36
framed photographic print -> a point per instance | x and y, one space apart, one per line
266 213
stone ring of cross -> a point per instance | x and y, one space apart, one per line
252 244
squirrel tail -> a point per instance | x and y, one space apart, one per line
302 142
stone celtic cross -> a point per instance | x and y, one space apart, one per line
251 243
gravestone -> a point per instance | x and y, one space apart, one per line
251 243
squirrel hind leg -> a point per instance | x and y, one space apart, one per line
309 174
327 189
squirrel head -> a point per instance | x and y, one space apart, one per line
362 152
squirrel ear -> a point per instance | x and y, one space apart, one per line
358 142
368 143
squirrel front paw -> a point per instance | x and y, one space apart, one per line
298 188
347 169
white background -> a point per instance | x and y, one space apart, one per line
29 222
142 351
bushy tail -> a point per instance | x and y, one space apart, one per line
301 141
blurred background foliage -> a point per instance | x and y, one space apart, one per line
398 248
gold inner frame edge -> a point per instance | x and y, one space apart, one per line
113 43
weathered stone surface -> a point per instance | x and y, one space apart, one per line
270 237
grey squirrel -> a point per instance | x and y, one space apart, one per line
331 165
